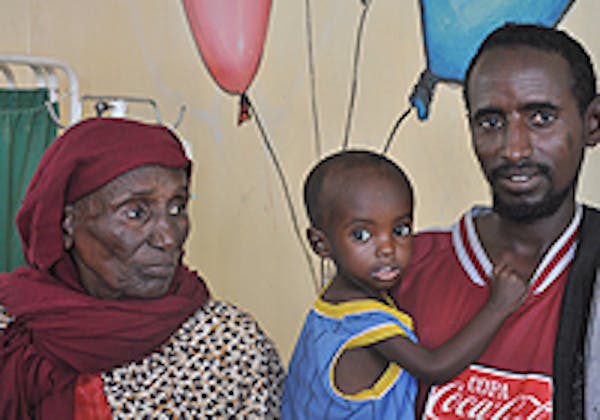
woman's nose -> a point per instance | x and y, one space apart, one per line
164 233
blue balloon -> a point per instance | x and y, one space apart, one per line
454 29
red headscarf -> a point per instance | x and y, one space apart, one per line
59 330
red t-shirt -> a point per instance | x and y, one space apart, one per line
446 284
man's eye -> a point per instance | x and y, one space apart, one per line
542 118
490 122
402 230
361 235
177 209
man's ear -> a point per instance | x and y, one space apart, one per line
68 226
592 122
318 241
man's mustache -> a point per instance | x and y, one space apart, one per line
524 166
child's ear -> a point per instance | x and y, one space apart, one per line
318 241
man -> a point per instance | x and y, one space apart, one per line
531 98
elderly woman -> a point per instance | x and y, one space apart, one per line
106 321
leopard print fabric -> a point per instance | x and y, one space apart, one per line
5 319
219 364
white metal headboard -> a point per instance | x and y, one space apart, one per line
44 70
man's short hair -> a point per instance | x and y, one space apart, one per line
542 38
331 166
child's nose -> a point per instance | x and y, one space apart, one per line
385 247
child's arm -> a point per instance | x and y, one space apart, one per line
507 292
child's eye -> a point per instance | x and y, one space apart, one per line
361 235
402 230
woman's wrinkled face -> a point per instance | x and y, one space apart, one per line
126 238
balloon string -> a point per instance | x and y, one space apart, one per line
388 143
244 109
286 193
359 34
311 72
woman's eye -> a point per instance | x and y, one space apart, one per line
177 209
361 235
402 230
135 211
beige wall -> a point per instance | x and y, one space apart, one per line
242 239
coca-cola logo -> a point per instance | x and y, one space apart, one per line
482 393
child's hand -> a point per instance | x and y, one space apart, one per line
507 289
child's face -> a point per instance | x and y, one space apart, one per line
370 229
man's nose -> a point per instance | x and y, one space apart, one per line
517 141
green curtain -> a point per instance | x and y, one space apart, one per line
26 129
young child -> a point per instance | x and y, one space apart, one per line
357 355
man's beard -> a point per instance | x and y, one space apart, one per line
530 212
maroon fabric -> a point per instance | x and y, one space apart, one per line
60 331
90 401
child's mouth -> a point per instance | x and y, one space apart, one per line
386 273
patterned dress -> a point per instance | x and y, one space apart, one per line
330 329
219 364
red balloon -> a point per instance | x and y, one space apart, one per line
229 35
